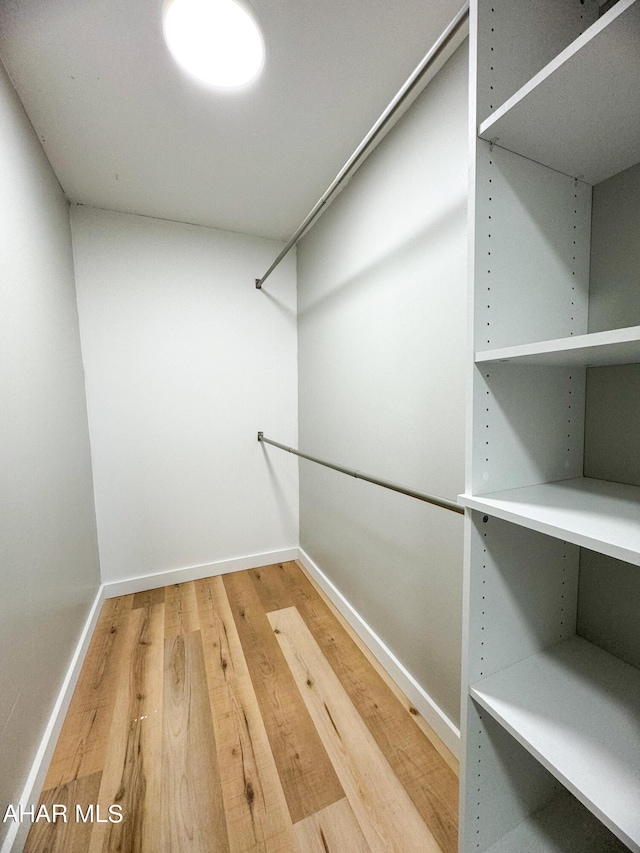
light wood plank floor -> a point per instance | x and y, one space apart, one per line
240 713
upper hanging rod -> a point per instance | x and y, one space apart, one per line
356 158
386 484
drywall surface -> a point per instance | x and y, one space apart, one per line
185 361
48 551
381 324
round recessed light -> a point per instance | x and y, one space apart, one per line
217 41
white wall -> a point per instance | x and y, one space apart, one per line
185 361
48 552
382 316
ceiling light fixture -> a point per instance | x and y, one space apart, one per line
217 41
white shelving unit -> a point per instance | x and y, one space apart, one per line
551 721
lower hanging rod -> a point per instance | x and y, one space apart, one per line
359 475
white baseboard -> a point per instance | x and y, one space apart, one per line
16 836
142 583
428 708
449 734
17 833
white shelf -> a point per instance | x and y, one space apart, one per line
619 346
581 113
595 514
563 826
576 708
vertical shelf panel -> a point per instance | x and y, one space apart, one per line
525 586
563 826
609 604
532 251
506 59
614 292
528 426
504 783
612 450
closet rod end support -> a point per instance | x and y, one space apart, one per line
260 435
258 284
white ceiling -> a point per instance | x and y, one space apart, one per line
125 129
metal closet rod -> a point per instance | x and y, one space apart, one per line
355 160
359 475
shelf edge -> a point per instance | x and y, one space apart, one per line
552 67
610 549
573 787
598 341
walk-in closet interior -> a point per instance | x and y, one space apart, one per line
341 370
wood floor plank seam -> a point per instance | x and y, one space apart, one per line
327 831
192 807
83 739
268 583
308 778
381 805
131 776
74 834
237 713
255 806
375 664
181 609
149 597
431 784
